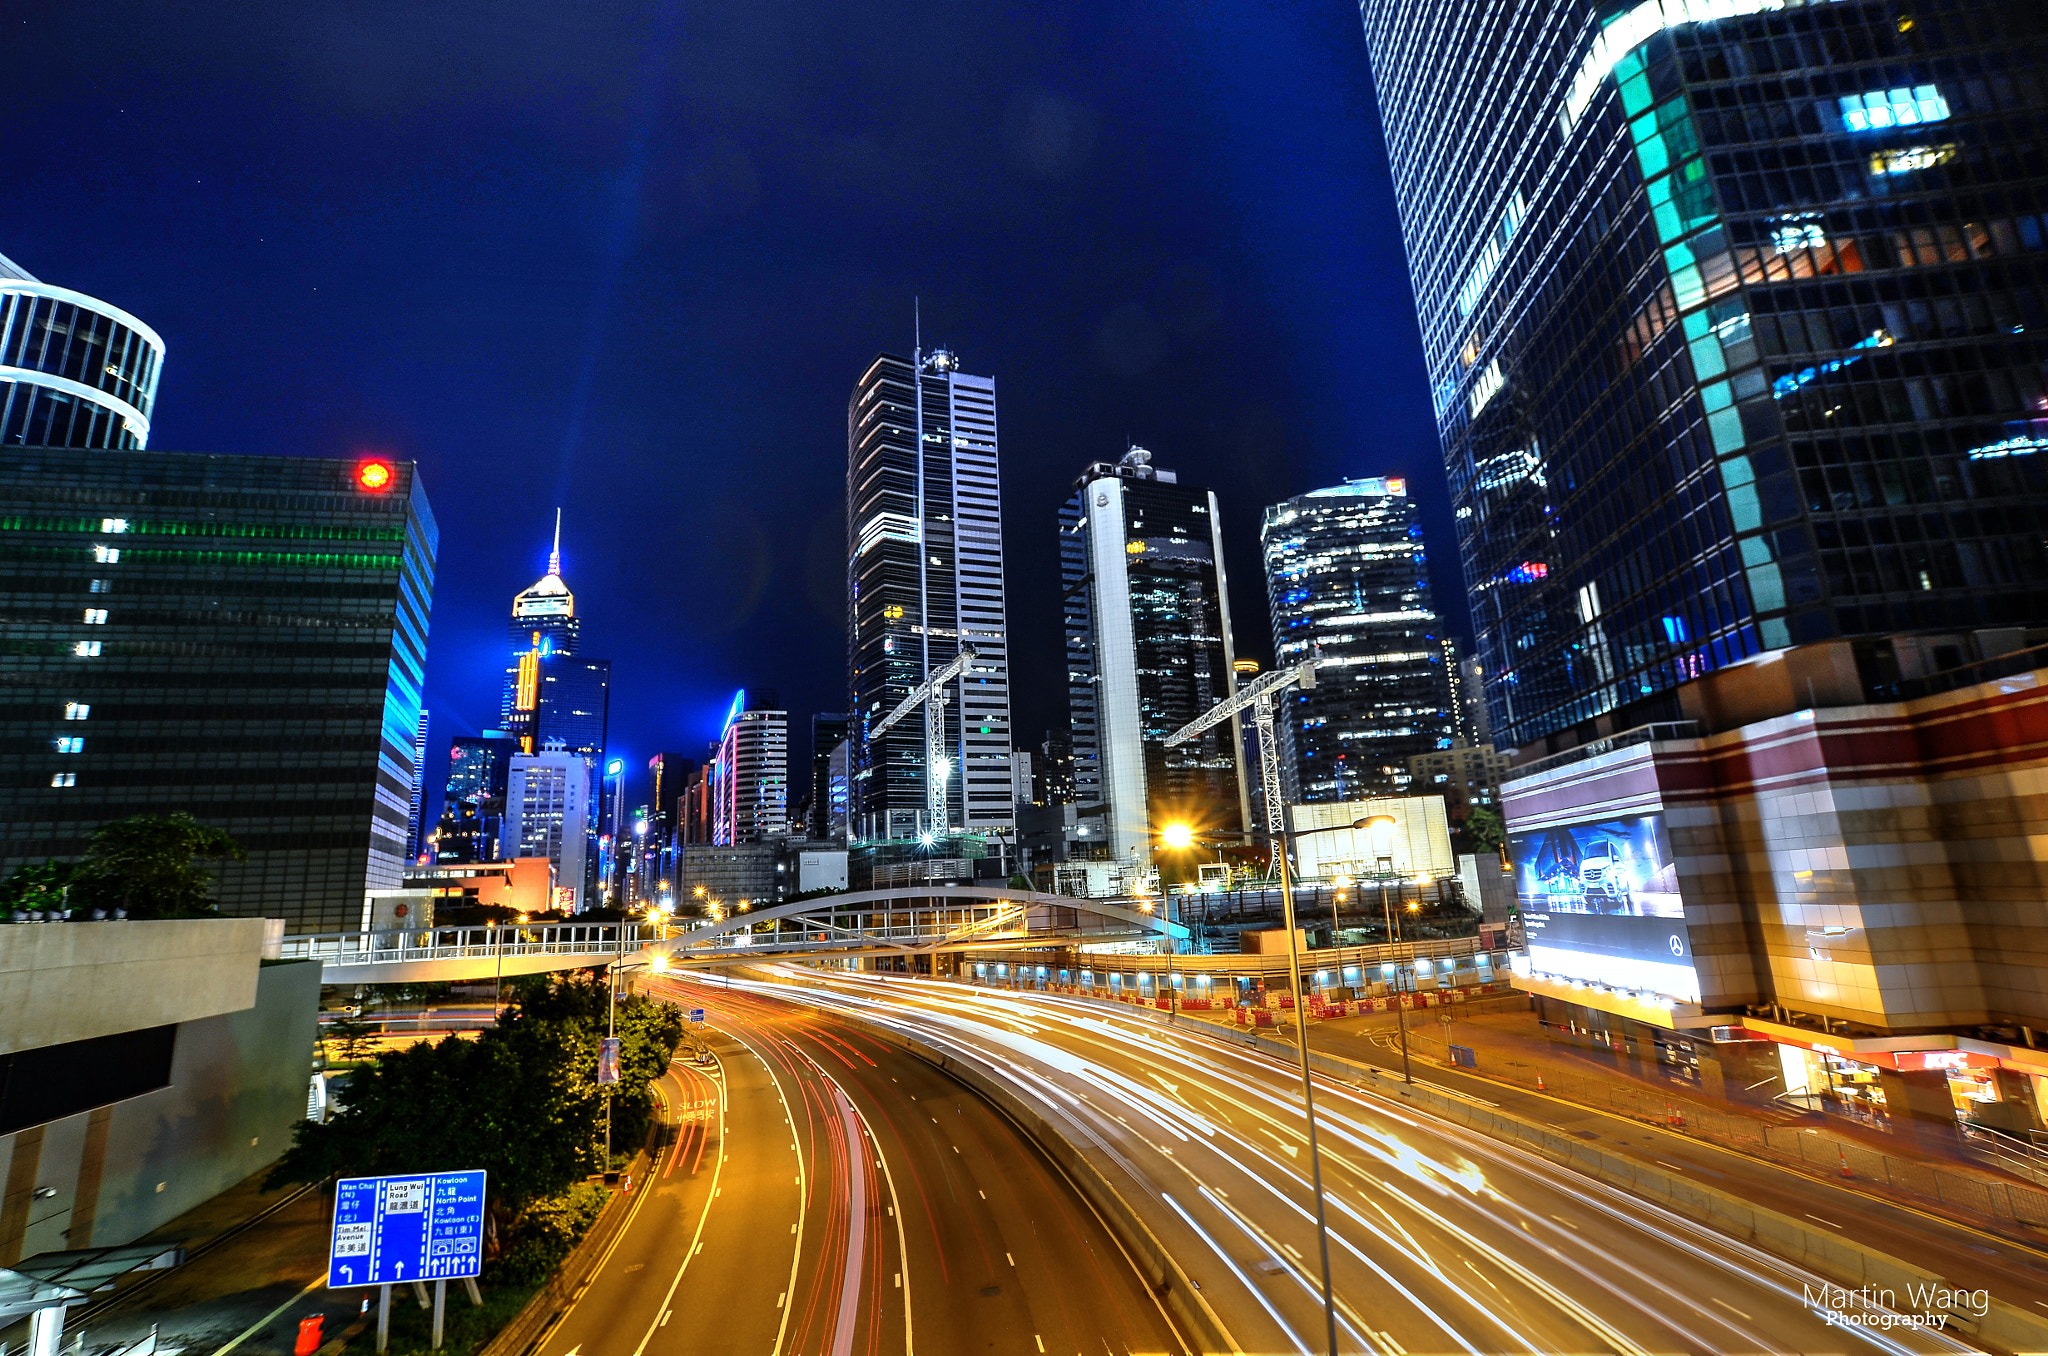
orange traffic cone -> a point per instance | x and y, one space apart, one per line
1845 1161
1539 1084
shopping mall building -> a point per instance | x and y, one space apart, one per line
1817 886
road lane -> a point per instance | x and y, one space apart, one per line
1442 1240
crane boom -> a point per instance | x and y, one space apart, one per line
938 679
1257 691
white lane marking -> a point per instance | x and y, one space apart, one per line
696 1239
1713 1299
781 1299
666 1316
1011 1260
1830 1223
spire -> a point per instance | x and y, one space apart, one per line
555 556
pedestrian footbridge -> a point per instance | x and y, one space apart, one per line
902 920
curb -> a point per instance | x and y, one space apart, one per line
1184 1302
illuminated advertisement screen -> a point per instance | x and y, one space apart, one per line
1600 903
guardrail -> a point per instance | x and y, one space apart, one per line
435 944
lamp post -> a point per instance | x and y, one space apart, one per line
1379 826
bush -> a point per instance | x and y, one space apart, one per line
546 1233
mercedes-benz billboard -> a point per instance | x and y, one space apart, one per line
1600 903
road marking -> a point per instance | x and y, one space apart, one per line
899 1280
666 1316
267 1319
780 1298
1673 1166
1830 1223
792 1228
1011 1260
1040 1340
981 1193
1566 1223
1732 1309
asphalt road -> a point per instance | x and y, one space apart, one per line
831 1195
1440 1239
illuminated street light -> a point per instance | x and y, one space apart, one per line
1177 836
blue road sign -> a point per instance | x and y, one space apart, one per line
389 1230
696 1014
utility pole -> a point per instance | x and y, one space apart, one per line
1259 696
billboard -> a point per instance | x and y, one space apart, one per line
1600 903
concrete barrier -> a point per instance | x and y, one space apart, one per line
1161 1271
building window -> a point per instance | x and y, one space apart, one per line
106 555
77 710
95 616
69 743
63 779
86 649
121 524
1893 108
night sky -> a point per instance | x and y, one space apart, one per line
629 259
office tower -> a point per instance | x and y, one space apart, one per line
838 790
750 776
694 810
1348 584
74 372
415 825
1735 318
924 545
1147 610
668 778
828 731
547 814
1024 779
544 622
240 637
1053 773
478 766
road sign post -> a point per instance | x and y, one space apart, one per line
696 1014
400 1230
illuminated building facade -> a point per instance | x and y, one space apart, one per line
74 372
750 774
924 545
238 637
1147 612
1735 316
548 814
1347 581
827 804
544 622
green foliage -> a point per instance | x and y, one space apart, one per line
547 1232
521 1101
150 866
39 887
1485 829
352 1034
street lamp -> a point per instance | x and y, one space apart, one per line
1380 826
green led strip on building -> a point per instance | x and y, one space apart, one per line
17 523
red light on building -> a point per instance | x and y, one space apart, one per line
374 475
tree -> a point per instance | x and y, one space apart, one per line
38 887
149 865
1485 829
521 1101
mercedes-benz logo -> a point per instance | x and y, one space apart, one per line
1677 946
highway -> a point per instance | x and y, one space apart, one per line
1442 1240
829 1194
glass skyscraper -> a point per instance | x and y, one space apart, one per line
74 372
1147 612
234 636
1347 580
924 573
1736 320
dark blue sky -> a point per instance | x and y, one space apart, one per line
629 258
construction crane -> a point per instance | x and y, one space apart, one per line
932 695
1259 696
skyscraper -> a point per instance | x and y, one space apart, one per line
1147 611
473 803
547 814
74 372
240 637
750 775
1736 315
544 622
924 545
415 826
1348 583
828 731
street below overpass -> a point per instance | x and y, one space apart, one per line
1441 1239
829 1194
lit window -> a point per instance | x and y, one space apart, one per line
1798 235
106 555
1880 108
113 524
69 743
1911 158
95 616
63 779
77 710
86 649
102 586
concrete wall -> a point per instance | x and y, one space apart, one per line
238 1084
64 982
